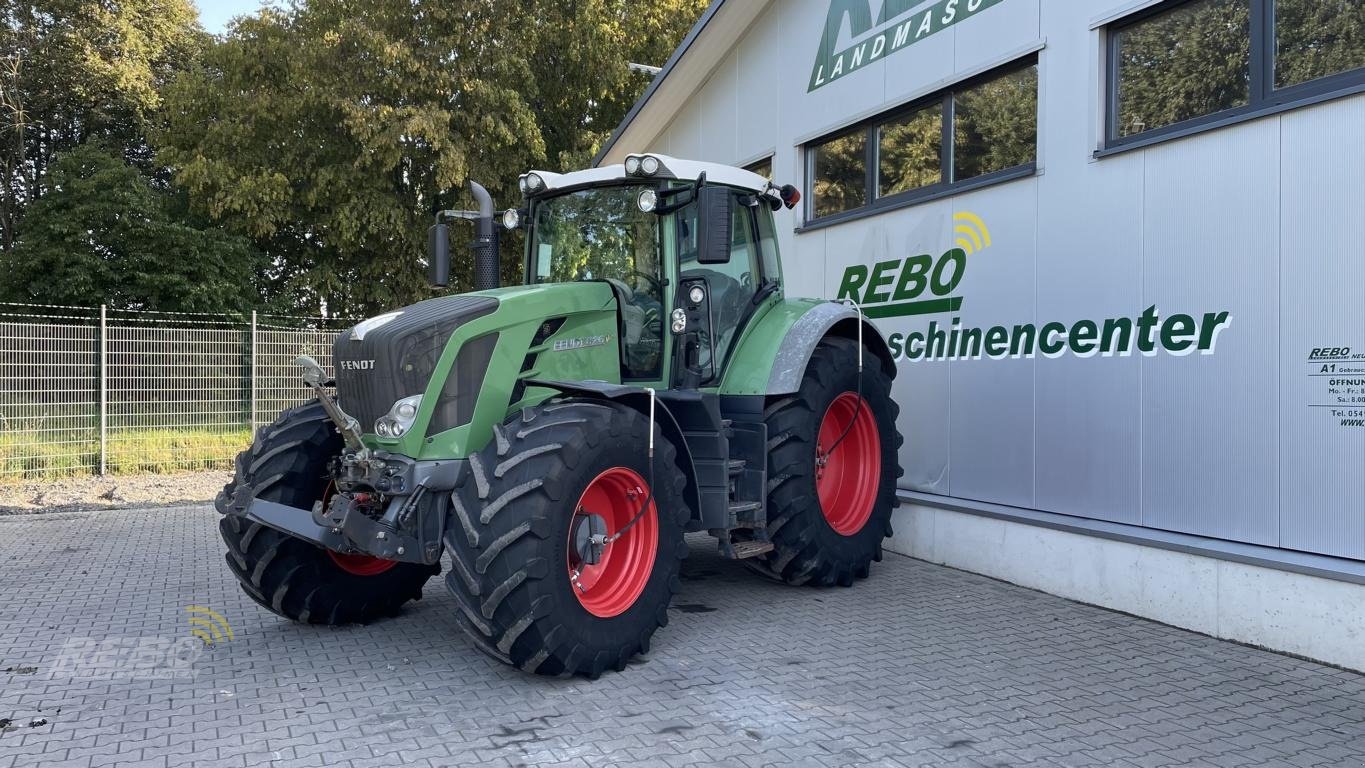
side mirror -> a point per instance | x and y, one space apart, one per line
715 211
438 255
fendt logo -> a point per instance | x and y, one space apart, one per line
357 365
900 23
924 285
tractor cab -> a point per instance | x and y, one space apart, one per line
688 248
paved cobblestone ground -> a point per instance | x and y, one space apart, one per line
918 665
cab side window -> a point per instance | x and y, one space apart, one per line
731 285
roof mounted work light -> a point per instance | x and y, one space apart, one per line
642 165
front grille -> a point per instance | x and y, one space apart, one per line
396 359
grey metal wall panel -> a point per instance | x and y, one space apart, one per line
1322 461
1089 267
925 395
916 68
1003 28
992 400
804 265
758 98
684 135
717 111
924 392
1209 422
855 93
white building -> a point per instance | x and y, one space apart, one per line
1119 246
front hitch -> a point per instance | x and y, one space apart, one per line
409 531
404 526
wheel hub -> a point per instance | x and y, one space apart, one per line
589 536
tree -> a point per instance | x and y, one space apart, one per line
583 86
332 131
104 235
73 71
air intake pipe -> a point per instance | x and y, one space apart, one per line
484 246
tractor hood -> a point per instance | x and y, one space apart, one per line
393 355
399 354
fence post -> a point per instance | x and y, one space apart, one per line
253 374
104 388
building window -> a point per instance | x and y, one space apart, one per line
982 130
995 124
1185 63
910 151
839 170
762 167
1317 38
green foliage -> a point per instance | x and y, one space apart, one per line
75 453
104 235
582 88
72 71
328 133
332 131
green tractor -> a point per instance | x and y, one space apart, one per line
557 439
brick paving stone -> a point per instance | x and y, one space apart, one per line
919 665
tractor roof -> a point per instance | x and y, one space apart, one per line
668 168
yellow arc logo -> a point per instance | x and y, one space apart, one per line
208 625
972 233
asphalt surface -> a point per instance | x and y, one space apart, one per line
919 665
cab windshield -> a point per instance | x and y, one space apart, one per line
600 233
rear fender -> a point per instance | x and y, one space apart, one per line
773 356
637 398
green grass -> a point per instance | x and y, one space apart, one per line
131 451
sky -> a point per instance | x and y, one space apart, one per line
215 14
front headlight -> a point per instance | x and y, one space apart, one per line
398 420
648 200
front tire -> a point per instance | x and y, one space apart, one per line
523 596
827 518
287 464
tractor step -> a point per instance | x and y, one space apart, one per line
735 466
740 508
740 550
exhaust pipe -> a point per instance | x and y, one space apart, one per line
484 246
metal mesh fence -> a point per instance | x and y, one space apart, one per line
90 390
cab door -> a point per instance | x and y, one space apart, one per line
729 287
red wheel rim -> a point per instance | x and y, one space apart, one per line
356 565
612 585
847 480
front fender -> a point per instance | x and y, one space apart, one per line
773 354
638 399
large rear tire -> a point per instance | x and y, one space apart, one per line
287 464
523 595
827 518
